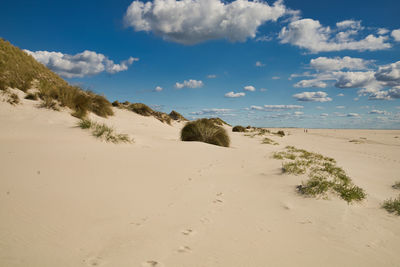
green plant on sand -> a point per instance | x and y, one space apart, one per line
205 130
104 132
238 128
392 205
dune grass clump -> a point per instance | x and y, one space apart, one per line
269 141
32 96
176 116
238 128
205 130
392 205
104 132
324 175
280 133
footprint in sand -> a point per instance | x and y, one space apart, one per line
152 264
188 232
94 261
184 249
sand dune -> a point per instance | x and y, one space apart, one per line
68 199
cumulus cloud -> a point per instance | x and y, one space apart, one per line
87 63
382 31
339 63
354 79
313 97
249 88
158 89
189 84
396 35
259 64
311 35
234 95
311 83
191 21
352 24
389 74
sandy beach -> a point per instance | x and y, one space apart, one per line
69 199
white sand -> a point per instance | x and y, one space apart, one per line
68 199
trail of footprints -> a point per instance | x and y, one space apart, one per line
186 232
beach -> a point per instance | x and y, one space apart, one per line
69 199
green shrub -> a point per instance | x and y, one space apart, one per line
297 167
269 141
204 130
315 186
238 128
140 109
104 132
392 205
177 116
280 133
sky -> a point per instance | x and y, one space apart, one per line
308 63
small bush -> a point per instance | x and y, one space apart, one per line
349 193
238 128
204 130
32 96
49 103
116 104
280 133
392 205
85 124
297 167
315 186
177 116
140 109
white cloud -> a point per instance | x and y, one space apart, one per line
275 77
158 89
191 21
211 76
352 24
340 94
376 111
311 35
338 63
389 74
257 108
212 111
259 64
324 114
353 115
234 95
311 83
313 97
340 107
382 31
189 84
82 64
279 107
357 79
249 88
396 35
298 113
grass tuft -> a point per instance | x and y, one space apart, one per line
13 99
392 205
323 174
269 141
104 132
205 130
32 96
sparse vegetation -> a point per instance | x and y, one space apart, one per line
219 121
396 185
392 205
280 133
104 132
205 130
269 141
238 128
324 175
177 116
13 99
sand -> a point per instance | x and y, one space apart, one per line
68 199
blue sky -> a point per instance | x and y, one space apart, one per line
314 64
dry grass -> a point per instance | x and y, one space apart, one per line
204 130
104 132
238 128
268 141
396 185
